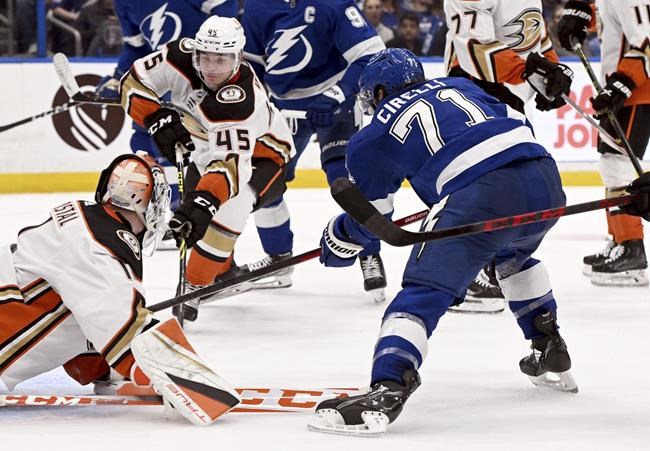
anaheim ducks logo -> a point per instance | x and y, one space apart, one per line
529 29
130 241
231 94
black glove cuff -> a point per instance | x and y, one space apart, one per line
578 9
160 119
621 83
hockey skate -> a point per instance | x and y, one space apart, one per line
374 277
597 258
278 279
624 267
483 295
365 415
549 365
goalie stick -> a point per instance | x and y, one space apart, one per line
217 287
253 399
56 110
348 196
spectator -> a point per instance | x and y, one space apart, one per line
407 34
392 12
552 31
25 26
100 29
68 12
374 10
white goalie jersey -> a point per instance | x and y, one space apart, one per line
236 123
490 40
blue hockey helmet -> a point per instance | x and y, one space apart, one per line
394 69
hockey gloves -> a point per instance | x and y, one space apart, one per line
336 249
321 111
549 79
572 26
193 218
617 90
109 85
166 128
640 207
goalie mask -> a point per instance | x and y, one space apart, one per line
137 183
217 50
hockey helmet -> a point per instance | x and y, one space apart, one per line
217 50
137 183
394 69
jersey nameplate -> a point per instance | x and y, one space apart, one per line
65 213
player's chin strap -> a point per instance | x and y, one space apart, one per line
348 196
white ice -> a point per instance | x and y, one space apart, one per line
321 332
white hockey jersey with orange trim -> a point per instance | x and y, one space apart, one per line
240 121
75 279
490 40
625 43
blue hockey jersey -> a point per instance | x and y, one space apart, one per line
302 49
441 135
147 25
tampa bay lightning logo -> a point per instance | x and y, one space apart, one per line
161 27
289 51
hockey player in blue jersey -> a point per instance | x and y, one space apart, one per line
309 53
460 147
147 25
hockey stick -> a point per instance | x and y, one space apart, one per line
577 47
254 400
56 110
182 256
221 285
348 196
71 87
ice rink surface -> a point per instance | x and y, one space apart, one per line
321 331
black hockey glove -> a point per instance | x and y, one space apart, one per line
572 26
166 128
546 77
640 207
617 90
192 219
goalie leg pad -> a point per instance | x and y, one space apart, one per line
180 376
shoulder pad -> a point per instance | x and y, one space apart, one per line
234 101
114 236
179 56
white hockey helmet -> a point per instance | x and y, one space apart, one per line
218 50
137 183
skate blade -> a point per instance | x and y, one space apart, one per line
378 295
635 278
586 270
563 381
271 283
239 289
484 306
330 421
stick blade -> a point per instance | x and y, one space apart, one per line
63 71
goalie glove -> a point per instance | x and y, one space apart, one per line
167 130
617 90
574 23
193 218
336 250
550 80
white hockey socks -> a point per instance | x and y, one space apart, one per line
166 357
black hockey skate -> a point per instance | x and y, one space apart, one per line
483 295
549 365
367 414
374 277
625 266
278 279
595 259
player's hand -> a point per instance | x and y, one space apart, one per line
167 130
109 85
193 218
321 111
336 249
546 77
617 90
572 26
544 104
640 207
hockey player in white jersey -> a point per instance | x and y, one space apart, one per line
243 155
74 283
309 53
498 44
625 72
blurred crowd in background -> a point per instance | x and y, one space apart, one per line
90 27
